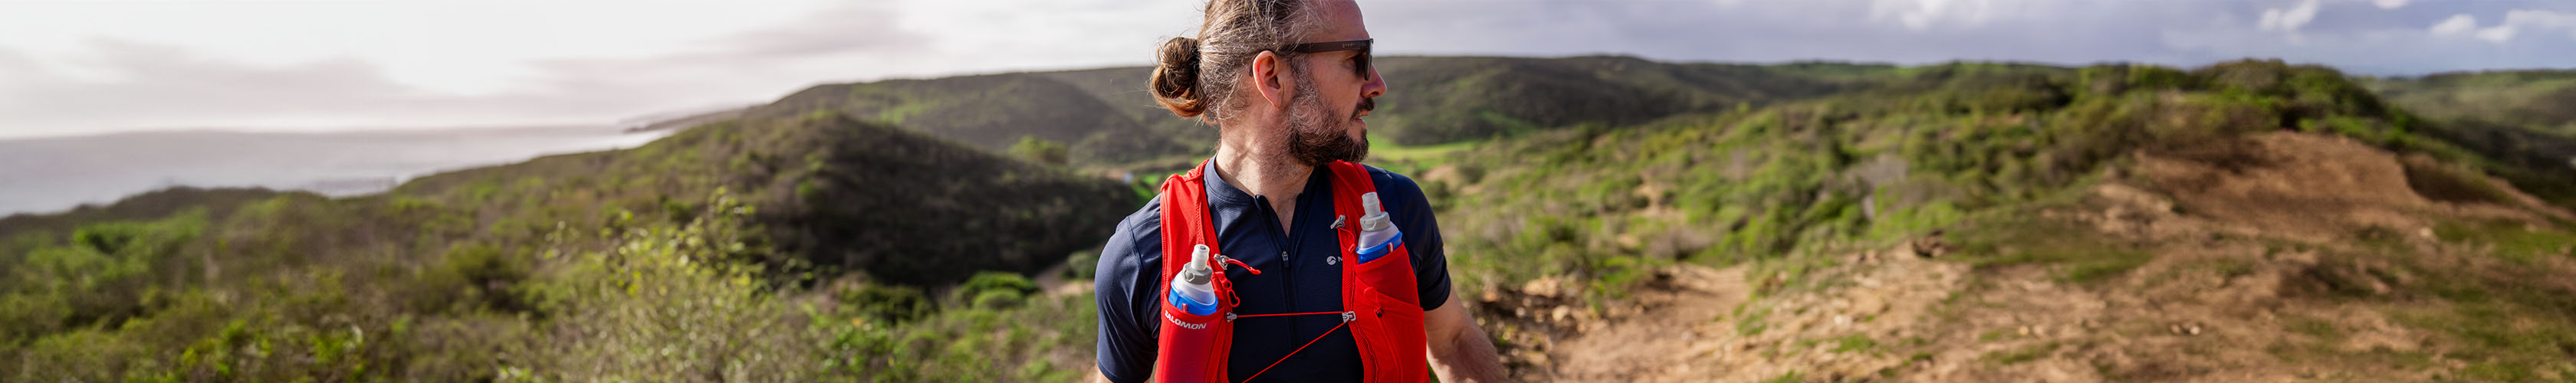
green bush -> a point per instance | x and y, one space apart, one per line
891 304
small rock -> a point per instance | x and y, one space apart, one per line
1561 313
1930 246
1842 320
1544 286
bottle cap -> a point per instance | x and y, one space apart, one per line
1197 271
1373 215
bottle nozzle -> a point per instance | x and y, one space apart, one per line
1197 271
1372 215
1369 204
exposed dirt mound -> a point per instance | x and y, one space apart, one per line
2316 188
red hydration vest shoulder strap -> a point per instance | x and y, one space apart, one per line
1191 348
1388 324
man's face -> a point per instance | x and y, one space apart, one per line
1323 120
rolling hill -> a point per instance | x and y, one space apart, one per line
1105 120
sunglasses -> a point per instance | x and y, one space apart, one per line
1361 60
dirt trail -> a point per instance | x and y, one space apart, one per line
1671 332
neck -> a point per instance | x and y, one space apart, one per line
1259 170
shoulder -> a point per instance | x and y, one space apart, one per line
1139 237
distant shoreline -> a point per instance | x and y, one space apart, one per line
101 168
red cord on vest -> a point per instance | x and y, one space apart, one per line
1244 266
1299 348
1273 315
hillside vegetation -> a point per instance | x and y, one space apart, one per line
2527 118
2245 221
1609 219
682 258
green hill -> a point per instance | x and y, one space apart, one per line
2520 117
1104 117
2537 99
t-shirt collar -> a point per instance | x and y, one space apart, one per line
1221 193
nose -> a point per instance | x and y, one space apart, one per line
1376 86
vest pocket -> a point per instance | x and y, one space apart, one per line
1392 276
1399 326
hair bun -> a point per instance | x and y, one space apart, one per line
1176 78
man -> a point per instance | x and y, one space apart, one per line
1287 83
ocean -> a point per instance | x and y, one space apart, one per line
50 174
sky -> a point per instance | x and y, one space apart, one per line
75 67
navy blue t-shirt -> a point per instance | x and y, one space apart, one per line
1300 272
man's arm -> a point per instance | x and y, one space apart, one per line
1460 350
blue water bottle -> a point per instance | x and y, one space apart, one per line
1191 291
1377 234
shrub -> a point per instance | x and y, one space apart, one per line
892 304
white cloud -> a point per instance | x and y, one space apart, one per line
2541 20
2288 20
2497 34
2515 22
1925 14
2456 25
460 47
2388 4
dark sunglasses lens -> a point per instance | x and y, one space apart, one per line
1363 63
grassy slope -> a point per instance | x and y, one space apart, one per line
2536 99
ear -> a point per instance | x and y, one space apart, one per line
1268 79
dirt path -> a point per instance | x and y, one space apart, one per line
1053 282
1666 337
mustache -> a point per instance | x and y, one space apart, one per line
1366 105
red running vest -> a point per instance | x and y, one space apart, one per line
1380 304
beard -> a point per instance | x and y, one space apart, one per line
1316 138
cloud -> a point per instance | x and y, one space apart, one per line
2456 25
2537 20
1925 14
2514 23
2498 34
124 79
2388 4
2289 20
